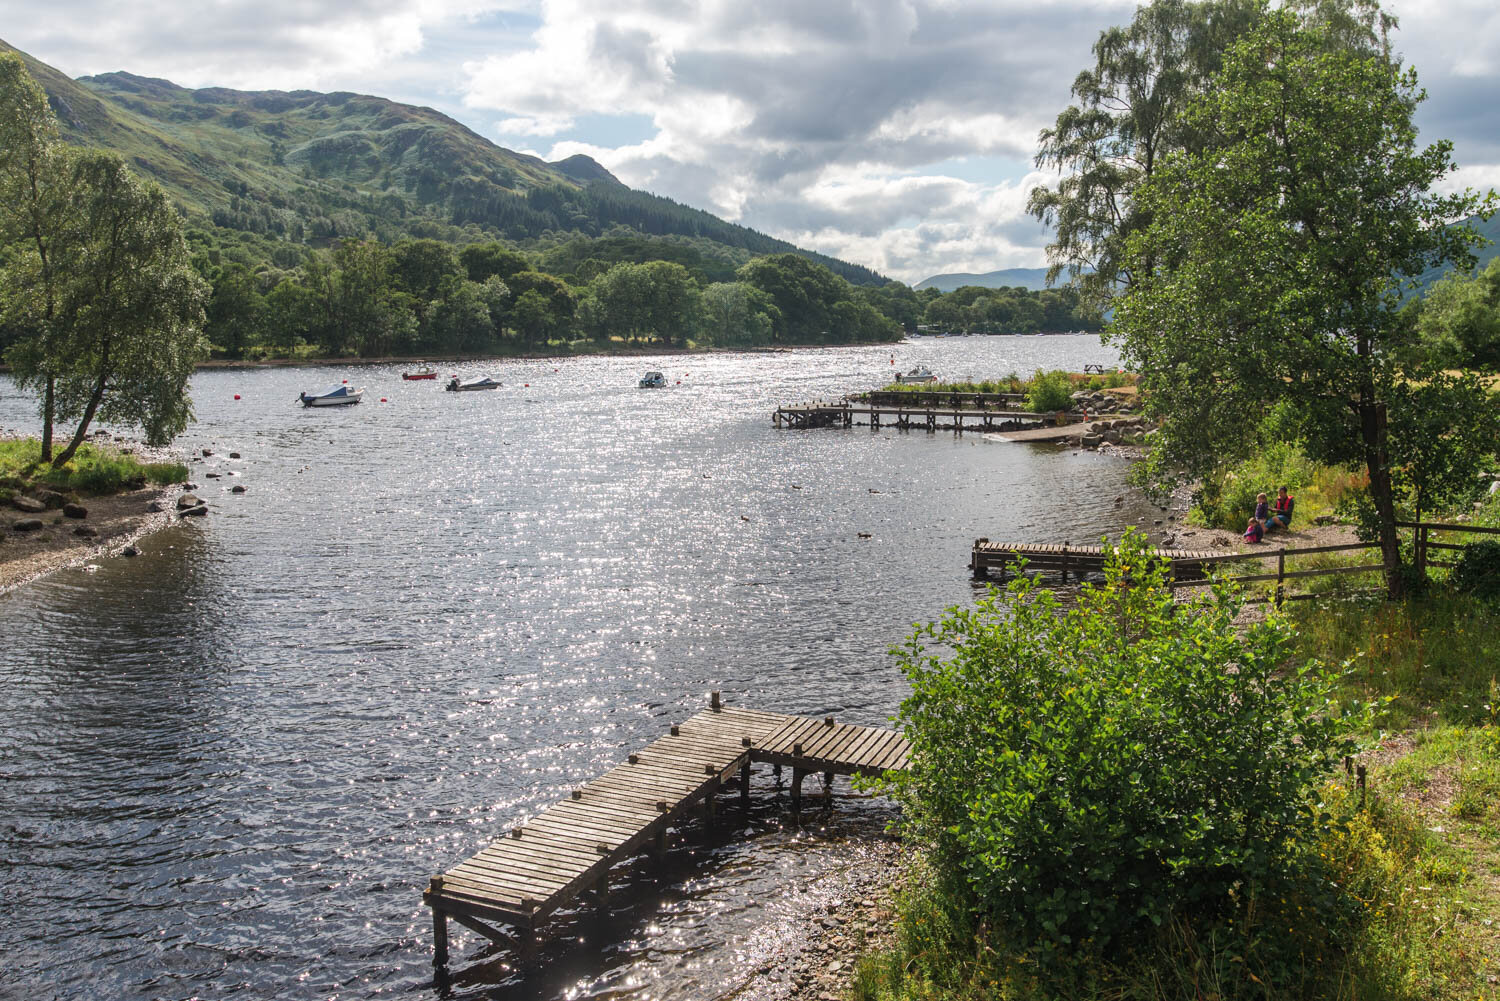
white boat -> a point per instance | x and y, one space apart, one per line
653 380
333 396
469 385
919 374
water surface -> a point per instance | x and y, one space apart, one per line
228 766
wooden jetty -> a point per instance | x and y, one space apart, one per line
570 848
1186 564
847 414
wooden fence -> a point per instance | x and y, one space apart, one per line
1423 544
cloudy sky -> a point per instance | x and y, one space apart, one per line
895 133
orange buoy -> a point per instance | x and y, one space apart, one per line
528 385
346 382
236 396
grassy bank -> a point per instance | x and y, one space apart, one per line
94 470
1395 893
1014 383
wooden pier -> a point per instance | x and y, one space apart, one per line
570 848
1186 564
847 414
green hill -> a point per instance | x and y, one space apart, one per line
1034 279
302 167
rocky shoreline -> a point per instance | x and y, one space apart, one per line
817 960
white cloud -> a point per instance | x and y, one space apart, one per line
837 124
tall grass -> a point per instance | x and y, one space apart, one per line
92 470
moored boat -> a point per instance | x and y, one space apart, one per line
468 385
919 374
422 372
333 396
653 380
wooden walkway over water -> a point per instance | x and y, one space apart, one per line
846 414
1186 564
570 848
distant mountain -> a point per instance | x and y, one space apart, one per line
1034 279
301 167
1489 230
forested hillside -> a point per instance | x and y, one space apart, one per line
302 168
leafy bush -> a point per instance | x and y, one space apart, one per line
1478 570
1049 391
1114 380
92 470
1089 774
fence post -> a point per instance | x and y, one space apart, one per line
1280 576
1421 549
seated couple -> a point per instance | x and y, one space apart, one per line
1269 517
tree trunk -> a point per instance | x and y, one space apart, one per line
1372 430
48 406
83 425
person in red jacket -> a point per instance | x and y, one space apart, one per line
1281 511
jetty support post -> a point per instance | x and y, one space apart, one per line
798 774
439 934
976 561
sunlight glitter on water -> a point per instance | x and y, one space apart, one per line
231 763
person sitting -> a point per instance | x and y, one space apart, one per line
1254 531
1262 510
1281 511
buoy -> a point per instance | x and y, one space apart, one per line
346 382
528 385
679 382
236 396
382 399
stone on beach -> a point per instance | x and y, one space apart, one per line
28 504
186 501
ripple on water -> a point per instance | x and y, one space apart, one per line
229 765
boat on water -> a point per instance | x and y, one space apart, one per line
653 380
333 396
469 385
422 372
919 374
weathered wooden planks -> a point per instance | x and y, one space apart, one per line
1186 564
570 847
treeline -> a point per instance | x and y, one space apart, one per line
420 296
1007 310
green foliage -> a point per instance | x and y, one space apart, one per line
1434 655
91 470
1084 776
1478 570
1303 291
814 305
1459 321
1009 310
1049 391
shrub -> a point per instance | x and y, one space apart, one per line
1114 380
1087 775
1478 570
1049 391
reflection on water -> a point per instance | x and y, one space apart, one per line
229 765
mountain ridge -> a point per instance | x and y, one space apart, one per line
305 167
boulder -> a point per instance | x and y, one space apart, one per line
186 501
236 489
207 452
71 510
86 532
52 499
212 476
201 511
28 504
130 551
234 455
28 525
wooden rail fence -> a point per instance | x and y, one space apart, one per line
1190 567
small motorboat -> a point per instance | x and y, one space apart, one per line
333 396
423 372
919 374
468 385
653 380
